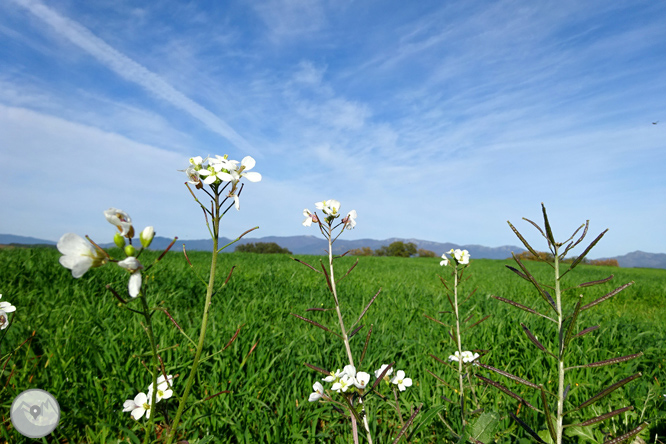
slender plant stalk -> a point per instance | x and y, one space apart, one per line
459 340
154 367
204 321
560 365
345 338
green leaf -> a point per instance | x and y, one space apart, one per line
484 427
426 418
586 433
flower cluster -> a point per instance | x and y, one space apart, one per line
142 403
80 255
459 256
467 356
331 208
5 307
216 170
348 379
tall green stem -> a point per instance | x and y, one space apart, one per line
560 360
459 340
204 321
153 348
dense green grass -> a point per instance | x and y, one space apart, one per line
84 344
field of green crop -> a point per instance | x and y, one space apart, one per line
84 346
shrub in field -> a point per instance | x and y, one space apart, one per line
350 389
262 248
471 422
398 249
563 311
219 179
422 252
363 251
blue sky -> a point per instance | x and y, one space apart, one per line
433 120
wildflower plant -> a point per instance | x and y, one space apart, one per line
471 424
349 389
562 310
219 179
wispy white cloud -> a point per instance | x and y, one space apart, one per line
131 70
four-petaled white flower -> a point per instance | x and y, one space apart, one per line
350 220
138 406
381 369
244 171
330 207
361 380
467 356
464 257
318 392
134 266
120 220
309 218
445 260
163 388
461 256
215 173
197 162
7 307
78 254
401 381
343 383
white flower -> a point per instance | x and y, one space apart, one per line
138 406
308 218
362 379
246 165
401 381
350 220
215 173
197 162
381 369
330 207
163 388
78 254
467 356
445 260
335 376
134 266
146 236
343 383
349 370
7 307
4 320
318 392
464 257
120 220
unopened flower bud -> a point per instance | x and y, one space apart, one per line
119 240
146 236
130 250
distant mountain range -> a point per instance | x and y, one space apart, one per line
317 246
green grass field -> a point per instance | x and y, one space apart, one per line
84 345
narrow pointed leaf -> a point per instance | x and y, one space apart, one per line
587 330
477 323
614 360
600 418
348 271
407 424
627 435
608 390
307 265
365 346
508 375
582 256
549 232
351 335
522 307
572 324
607 296
436 320
505 390
318 369
601 281
534 340
522 239
367 307
546 297
549 420
527 428
522 275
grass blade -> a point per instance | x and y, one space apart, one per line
607 296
